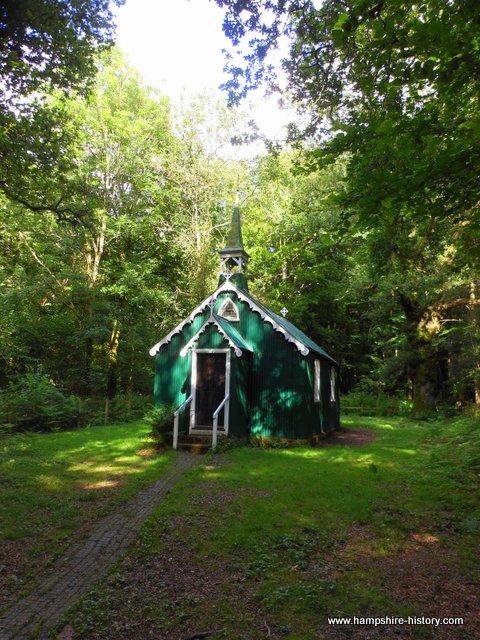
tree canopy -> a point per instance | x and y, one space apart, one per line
393 88
50 44
393 84
45 46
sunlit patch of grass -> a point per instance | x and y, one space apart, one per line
425 538
51 483
147 452
102 484
55 483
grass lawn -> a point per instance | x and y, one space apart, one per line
53 486
270 543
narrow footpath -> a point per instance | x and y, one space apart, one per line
72 575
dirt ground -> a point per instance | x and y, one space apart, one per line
348 438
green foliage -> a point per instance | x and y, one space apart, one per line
86 301
34 403
53 44
44 47
393 84
128 406
160 422
227 443
379 279
375 404
125 407
391 89
458 450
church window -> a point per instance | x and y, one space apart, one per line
229 311
316 382
333 385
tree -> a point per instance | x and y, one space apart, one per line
297 262
45 46
88 282
83 302
50 44
202 179
393 87
394 84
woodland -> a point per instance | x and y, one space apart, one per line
364 224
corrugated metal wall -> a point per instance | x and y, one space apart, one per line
276 381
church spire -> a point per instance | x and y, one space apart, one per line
234 258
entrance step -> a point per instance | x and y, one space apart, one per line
195 443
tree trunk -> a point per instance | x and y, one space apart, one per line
87 377
113 361
476 372
424 389
423 357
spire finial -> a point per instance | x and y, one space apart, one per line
233 259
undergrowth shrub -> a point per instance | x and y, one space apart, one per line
276 443
456 448
160 421
34 403
226 443
125 407
375 404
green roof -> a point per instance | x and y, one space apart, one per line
232 333
291 329
235 240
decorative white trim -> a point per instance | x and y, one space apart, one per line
226 414
189 345
188 320
228 286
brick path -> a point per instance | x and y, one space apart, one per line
71 576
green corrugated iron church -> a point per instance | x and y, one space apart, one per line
272 379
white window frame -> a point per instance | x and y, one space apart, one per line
224 429
333 385
225 303
317 380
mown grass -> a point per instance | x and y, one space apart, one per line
52 486
294 536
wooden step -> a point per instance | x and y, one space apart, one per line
195 443
193 447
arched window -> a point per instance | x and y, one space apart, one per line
229 311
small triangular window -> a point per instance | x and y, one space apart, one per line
229 311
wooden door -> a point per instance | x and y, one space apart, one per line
209 388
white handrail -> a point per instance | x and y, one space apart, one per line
175 420
215 420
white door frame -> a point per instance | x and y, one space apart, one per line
226 413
